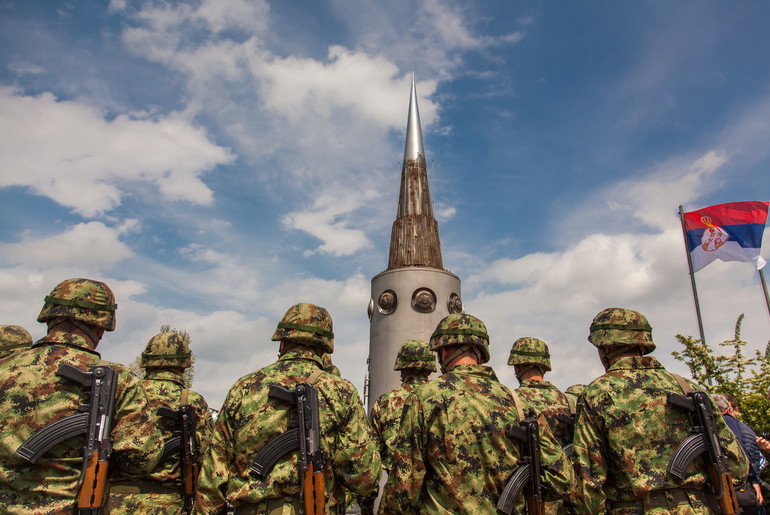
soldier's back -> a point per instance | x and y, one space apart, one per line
160 489
33 397
249 419
625 424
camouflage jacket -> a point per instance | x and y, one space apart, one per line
249 419
386 414
545 398
453 456
34 396
625 435
164 388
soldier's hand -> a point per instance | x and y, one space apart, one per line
763 444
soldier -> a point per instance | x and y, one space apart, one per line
249 419
330 367
77 312
626 432
573 394
13 338
452 455
531 360
165 360
415 361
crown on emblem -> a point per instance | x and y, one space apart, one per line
705 220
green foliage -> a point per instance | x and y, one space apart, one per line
744 377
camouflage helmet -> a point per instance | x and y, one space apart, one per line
575 389
461 329
415 355
14 337
621 327
91 302
167 350
530 351
307 324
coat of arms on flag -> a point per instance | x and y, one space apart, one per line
730 232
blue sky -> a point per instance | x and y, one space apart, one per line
217 161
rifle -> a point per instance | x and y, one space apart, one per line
95 421
184 443
704 440
306 437
528 474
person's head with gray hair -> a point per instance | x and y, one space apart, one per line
723 404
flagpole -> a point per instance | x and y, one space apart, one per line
764 288
692 281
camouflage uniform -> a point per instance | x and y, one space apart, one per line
13 338
417 361
625 433
34 396
166 355
249 419
544 398
573 394
452 455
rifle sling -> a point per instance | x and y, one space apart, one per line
52 434
682 384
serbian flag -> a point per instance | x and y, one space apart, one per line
730 232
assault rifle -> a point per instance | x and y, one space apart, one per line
527 477
95 421
184 444
306 437
704 441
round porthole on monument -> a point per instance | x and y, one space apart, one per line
387 302
454 304
424 300
370 309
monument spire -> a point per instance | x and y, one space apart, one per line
414 239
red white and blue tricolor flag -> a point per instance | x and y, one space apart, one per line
730 232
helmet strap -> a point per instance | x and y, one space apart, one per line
459 351
521 371
92 332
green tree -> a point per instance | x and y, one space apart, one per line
745 378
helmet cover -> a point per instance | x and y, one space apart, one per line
307 324
415 355
91 302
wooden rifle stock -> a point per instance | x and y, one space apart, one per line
91 493
314 491
729 500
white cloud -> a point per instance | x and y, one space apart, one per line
70 152
323 221
90 244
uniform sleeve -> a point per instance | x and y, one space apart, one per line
590 460
557 475
407 475
356 462
215 468
137 443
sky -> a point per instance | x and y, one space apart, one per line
216 161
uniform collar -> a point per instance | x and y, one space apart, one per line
301 354
530 383
158 374
477 370
635 362
68 339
